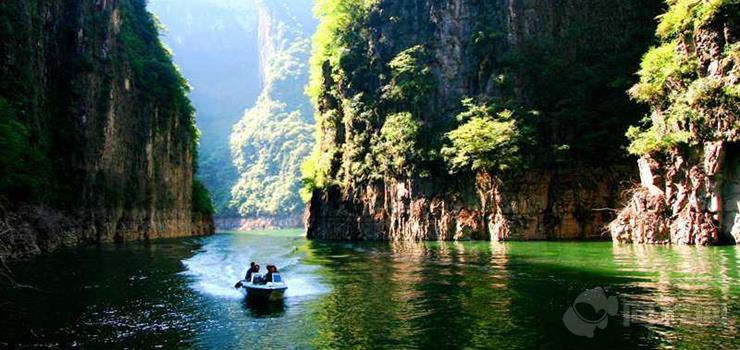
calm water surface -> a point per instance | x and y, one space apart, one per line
178 294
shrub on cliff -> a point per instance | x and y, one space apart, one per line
690 98
21 165
411 79
337 33
397 149
202 202
487 139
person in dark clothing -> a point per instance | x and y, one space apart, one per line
252 269
270 270
258 279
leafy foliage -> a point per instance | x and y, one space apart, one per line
397 150
338 31
655 139
662 68
269 145
386 93
411 78
685 15
274 137
202 202
487 140
686 103
22 166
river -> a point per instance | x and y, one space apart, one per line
518 295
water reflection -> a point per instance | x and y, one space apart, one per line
179 294
692 294
264 308
441 295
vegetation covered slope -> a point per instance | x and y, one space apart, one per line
423 96
98 136
215 44
689 142
273 137
564 92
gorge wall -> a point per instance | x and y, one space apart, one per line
98 136
214 43
393 80
690 165
272 138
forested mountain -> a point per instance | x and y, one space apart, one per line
215 45
97 134
273 137
473 119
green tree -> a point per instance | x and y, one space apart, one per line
411 78
686 101
487 139
397 150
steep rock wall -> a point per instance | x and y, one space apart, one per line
276 134
688 171
541 205
473 46
214 44
110 130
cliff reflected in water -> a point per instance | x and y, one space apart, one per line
483 295
400 295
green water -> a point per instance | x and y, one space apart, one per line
178 294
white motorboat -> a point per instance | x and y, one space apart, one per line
258 287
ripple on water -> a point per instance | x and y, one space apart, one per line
224 259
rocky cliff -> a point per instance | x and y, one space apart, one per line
214 43
392 80
98 135
689 191
273 136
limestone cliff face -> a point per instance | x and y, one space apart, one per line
689 191
106 115
474 46
273 136
214 44
540 205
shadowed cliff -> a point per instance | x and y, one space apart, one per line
99 138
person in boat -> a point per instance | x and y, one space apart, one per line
252 269
271 269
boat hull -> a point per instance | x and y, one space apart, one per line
265 293
268 291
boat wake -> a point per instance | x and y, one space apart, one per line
223 260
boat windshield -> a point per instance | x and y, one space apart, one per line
257 277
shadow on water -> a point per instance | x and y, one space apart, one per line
131 295
261 308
